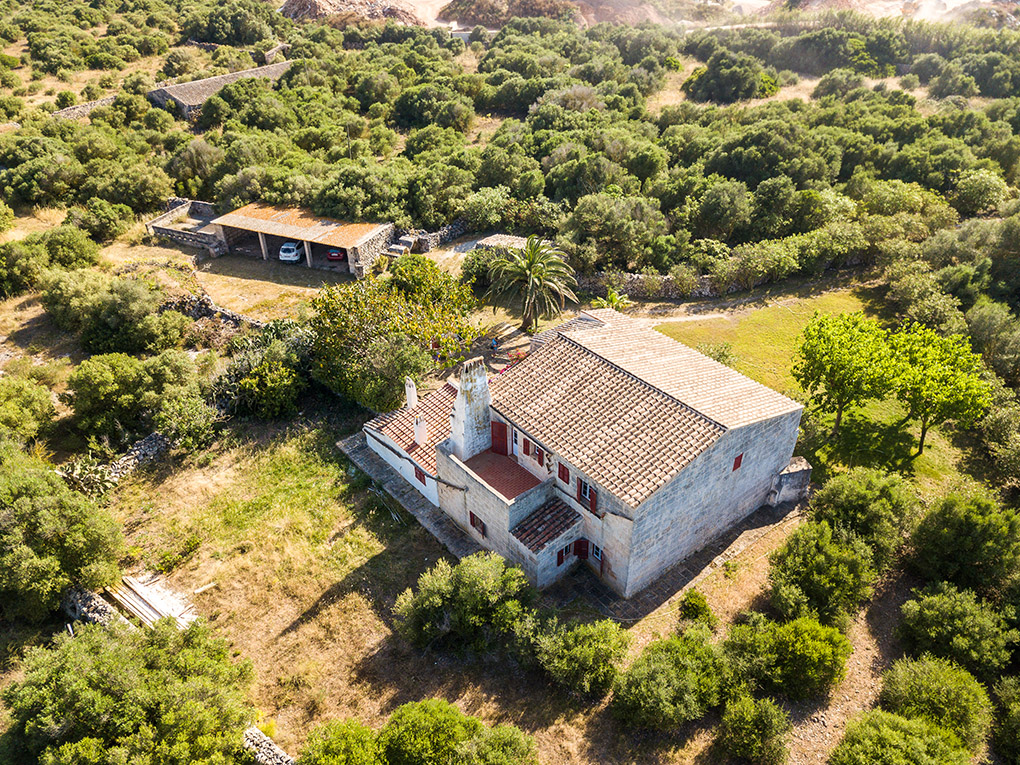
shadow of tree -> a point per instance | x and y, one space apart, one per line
861 441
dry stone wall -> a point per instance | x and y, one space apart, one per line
264 749
85 606
149 449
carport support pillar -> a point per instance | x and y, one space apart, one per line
308 254
262 244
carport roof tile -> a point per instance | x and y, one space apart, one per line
298 223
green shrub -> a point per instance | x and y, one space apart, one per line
955 625
472 603
23 263
1007 729
122 696
50 537
940 692
101 220
672 682
813 575
6 217
25 408
810 659
340 743
878 507
115 396
970 541
583 657
474 270
694 609
421 280
881 738
270 390
502 745
426 733
755 730
187 420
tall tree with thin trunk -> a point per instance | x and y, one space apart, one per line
843 361
536 279
938 378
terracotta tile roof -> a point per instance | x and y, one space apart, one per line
502 473
714 389
546 524
298 223
625 434
399 426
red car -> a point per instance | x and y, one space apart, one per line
336 255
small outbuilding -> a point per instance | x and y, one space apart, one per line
187 98
326 242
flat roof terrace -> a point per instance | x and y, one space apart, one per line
502 473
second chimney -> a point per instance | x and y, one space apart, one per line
421 430
411 393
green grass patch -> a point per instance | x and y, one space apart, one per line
764 342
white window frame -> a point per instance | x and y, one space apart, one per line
568 550
514 448
585 489
596 552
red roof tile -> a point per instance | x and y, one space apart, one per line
502 473
544 525
399 426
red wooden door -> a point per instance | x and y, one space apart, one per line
499 439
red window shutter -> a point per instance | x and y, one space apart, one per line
559 557
593 497
473 518
579 488
527 447
499 433
419 474
581 549
481 527
738 460
541 455
564 473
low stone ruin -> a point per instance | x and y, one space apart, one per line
149 449
263 749
202 307
85 606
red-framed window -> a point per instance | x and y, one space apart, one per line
419 474
539 455
527 447
563 553
478 524
738 461
564 473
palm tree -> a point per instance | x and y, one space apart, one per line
536 278
618 301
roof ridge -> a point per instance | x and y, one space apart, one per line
641 380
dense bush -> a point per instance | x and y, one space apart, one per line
115 396
341 743
672 682
50 537
187 420
694 609
25 408
877 507
881 737
433 732
472 603
583 657
955 625
420 279
23 263
811 574
1007 729
754 730
729 77
100 219
941 693
268 372
124 695
799 659
969 540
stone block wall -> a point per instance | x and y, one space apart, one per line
263 749
546 570
364 256
708 496
793 483
82 110
85 606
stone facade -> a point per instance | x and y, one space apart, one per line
470 434
364 256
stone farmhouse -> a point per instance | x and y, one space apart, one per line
609 445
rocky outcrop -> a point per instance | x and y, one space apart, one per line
263 749
397 10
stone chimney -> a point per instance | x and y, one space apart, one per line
410 393
470 429
421 430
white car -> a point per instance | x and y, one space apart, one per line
290 252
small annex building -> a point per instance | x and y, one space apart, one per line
610 445
260 228
187 98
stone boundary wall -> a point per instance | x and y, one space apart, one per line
426 241
81 110
149 449
368 252
264 749
202 307
177 208
642 286
275 52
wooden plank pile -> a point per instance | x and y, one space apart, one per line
146 604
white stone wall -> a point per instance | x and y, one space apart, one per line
405 467
708 497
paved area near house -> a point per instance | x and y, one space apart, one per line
435 521
582 587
